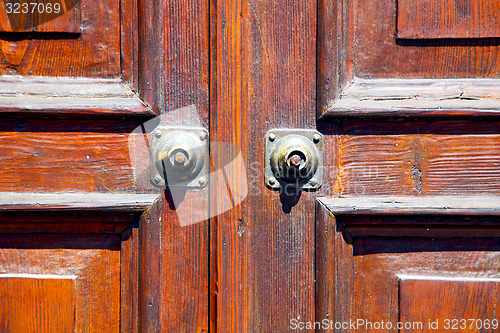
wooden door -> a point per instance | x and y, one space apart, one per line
87 244
405 225
403 229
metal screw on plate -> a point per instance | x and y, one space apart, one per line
203 136
316 138
272 136
295 160
272 181
157 179
313 182
158 134
201 181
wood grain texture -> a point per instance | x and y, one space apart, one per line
66 19
368 269
97 202
416 157
448 19
129 289
65 161
334 270
417 97
37 303
129 41
174 59
422 205
69 97
379 261
93 259
431 298
333 70
378 54
95 52
264 78
174 73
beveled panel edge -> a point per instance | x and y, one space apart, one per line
417 98
70 201
65 96
413 205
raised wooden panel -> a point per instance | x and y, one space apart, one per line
416 157
358 44
94 259
448 18
40 16
411 260
418 98
81 97
467 305
37 303
66 161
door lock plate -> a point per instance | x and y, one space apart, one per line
179 157
293 158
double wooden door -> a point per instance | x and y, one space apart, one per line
404 228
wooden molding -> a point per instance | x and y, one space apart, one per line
88 202
417 98
423 205
69 96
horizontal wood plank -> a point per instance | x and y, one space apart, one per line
416 205
128 202
418 97
448 19
63 96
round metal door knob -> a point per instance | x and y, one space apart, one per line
179 157
294 160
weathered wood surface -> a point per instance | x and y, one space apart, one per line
69 96
264 77
359 270
417 98
39 19
421 205
14 201
93 259
357 39
34 161
94 52
410 157
448 19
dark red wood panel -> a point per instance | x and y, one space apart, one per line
467 305
37 303
448 19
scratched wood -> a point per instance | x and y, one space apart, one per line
77 97
417 98
43 18
65 161
448 19
417 157
264 78
94 52
416 294
173 80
